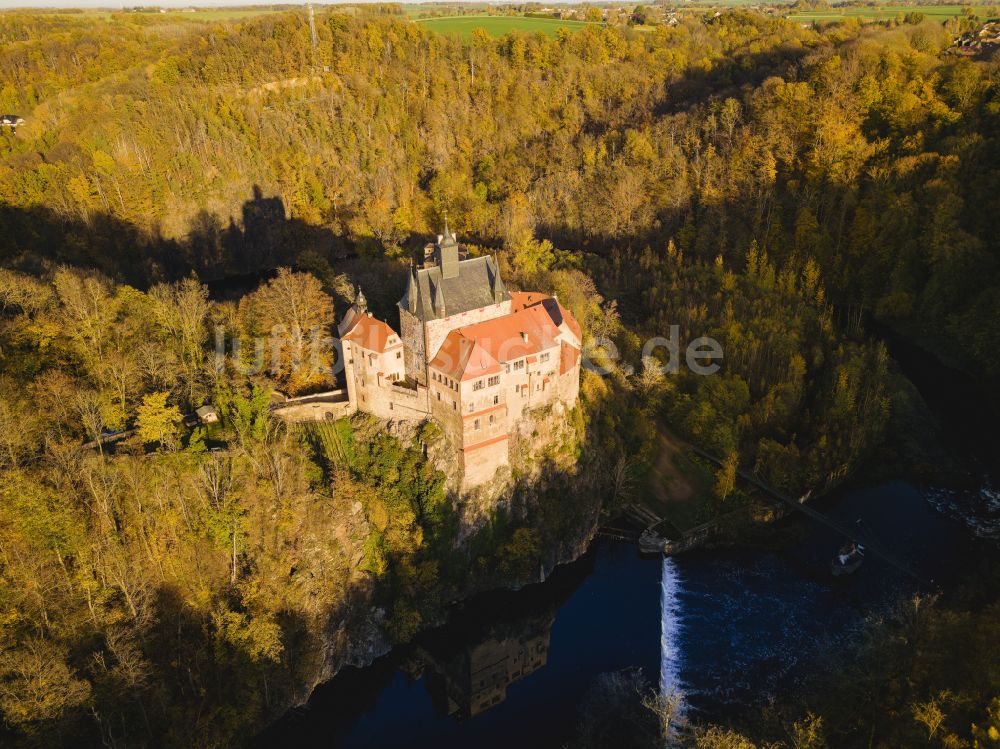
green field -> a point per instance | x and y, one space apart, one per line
418 10
497 26
887 12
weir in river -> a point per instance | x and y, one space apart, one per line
671 688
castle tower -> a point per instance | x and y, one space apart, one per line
449 292
446 253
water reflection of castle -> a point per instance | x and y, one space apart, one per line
475 678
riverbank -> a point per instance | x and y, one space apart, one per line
751 624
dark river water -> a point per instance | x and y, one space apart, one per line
727 630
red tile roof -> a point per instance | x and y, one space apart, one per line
371 334
462 358
559 314
521 299
476 350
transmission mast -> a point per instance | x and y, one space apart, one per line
312 32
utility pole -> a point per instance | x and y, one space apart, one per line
312 32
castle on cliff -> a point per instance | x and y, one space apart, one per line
471 355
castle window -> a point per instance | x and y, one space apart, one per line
506 368
399 354
478 385
475 424
439 396
543 357
494 381
491 418
454 405
519 365
496 399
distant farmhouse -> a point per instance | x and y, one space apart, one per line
471 355
979 43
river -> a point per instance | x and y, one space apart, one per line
724 630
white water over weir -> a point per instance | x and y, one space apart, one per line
671 692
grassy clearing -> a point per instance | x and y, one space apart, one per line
497 26
888 12
332 441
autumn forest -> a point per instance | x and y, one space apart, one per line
790 190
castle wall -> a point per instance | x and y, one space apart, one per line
481 463
445 408
415 357
481 426
371 378
315 411
569 387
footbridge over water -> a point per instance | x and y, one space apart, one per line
853 533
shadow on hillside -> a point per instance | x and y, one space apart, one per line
36 238
239 251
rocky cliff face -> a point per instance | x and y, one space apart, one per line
546 460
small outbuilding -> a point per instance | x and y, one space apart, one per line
207 415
